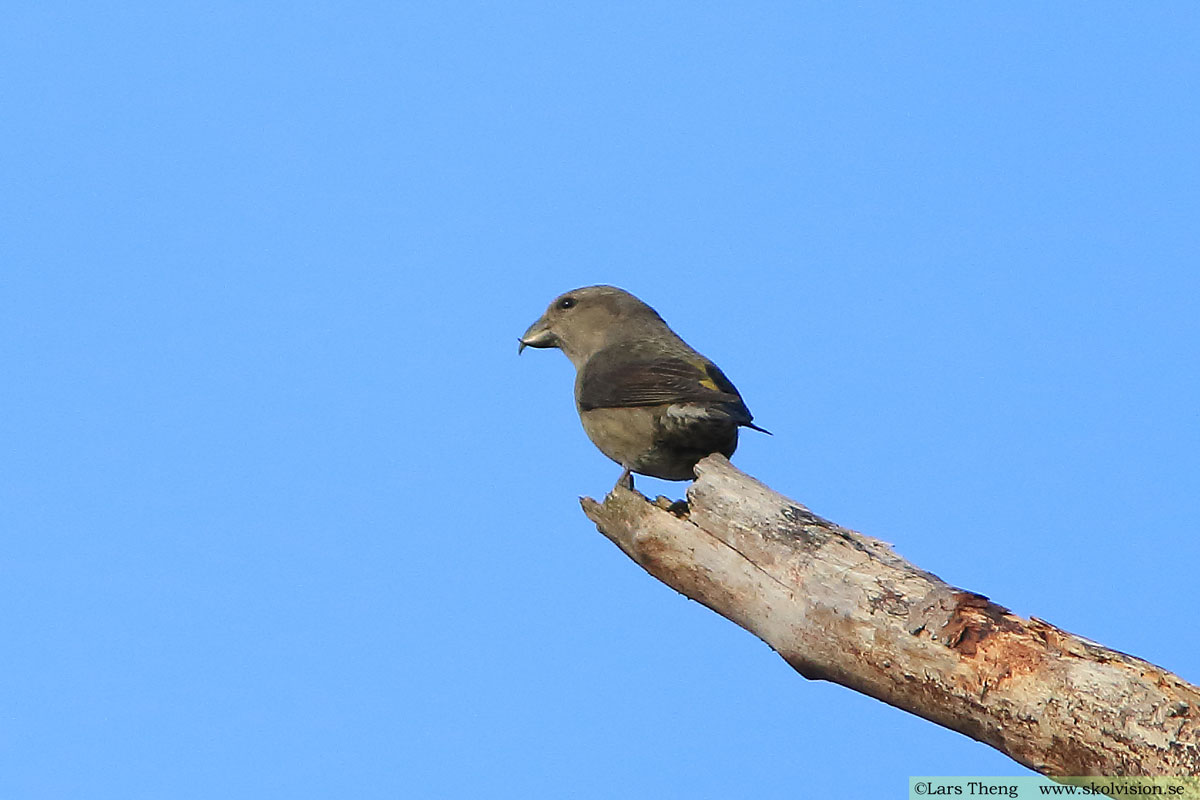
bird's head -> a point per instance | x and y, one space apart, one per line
585 320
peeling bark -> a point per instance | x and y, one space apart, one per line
843 607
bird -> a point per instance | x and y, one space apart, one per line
646 399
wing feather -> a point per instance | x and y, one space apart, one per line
614 379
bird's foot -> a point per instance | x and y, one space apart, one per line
626 480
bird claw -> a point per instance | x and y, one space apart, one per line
626 480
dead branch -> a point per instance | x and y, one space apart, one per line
843 607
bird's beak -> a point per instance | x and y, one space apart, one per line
538 335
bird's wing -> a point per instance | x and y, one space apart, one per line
613 379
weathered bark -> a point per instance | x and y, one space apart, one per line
843 607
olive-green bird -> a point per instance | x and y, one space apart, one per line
646 399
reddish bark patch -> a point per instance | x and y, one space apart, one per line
973 619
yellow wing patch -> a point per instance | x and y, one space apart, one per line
706 381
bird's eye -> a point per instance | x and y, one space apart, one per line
566 302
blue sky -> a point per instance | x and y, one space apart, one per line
285 515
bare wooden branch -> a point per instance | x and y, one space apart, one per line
843 607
